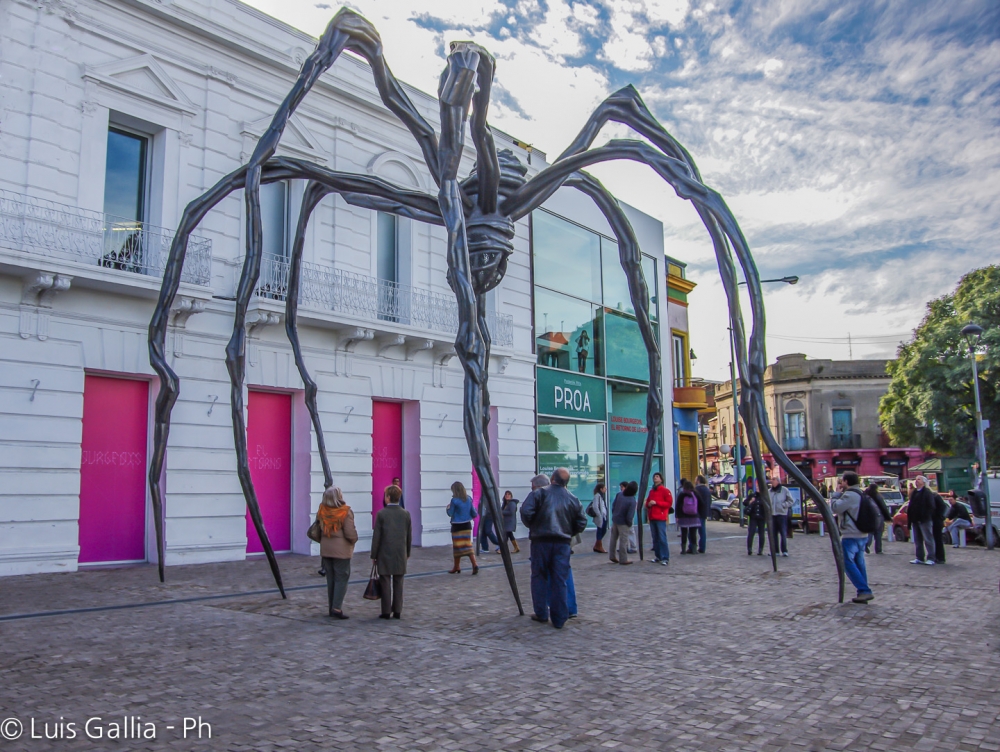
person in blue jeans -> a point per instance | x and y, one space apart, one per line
553 516
845 504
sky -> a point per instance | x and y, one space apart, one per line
856 141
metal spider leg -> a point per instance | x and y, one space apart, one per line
314 193
631 261
725 234
360 190
455 94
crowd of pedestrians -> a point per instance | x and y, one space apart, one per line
555 520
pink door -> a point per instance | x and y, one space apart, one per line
113 470
269 445
387 449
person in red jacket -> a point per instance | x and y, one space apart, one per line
658 505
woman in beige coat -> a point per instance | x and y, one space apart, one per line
336 546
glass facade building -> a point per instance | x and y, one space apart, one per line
592 371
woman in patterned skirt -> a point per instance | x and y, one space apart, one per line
462 512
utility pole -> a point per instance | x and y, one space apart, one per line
850 347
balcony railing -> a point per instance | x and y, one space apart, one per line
326 288
63 232
845 441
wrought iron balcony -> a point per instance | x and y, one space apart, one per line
325 288
38 227
845 441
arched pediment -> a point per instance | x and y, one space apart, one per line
397 169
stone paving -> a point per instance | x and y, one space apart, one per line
714 652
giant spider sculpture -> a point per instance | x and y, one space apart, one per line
479 215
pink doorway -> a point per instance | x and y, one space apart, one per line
387 449
269 445
113 470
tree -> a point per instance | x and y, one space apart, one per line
930 402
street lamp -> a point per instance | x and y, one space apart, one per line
972 334
737 439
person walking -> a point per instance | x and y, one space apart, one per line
598 509
756 523
462 512
336 546
509 512
846 503
687 517
392 536
781 505
884 516
941 508
553 516
920 520
958 519
704 510
622 516
658 505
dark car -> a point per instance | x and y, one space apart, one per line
731 512
717 506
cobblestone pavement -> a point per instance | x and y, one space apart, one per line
714 652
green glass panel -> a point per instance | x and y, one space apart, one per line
566 256
627 418
570 437
586 469
566 333
626 352
626 467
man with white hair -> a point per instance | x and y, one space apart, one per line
920 519
553 516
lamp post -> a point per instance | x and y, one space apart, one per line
972 334
789 280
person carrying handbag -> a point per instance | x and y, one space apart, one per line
598 510
462 512
338 534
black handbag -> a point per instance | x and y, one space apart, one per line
374 590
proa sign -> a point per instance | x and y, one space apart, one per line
565 394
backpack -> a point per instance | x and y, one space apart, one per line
869 514
689 507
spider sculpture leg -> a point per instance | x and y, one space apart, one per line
455 93
359 190
631 261
314 193
725 233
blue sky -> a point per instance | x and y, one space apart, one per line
856 141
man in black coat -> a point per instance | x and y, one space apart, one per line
704 494
553 516
920 520
941 508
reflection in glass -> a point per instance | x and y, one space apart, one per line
616 293
566 336
626 352
570 437
649 266
627 418
567 257
125 176
586 469
274 218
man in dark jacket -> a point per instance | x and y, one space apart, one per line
392 535
704 494
937 523
553 516
920 520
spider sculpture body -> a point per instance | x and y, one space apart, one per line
479 215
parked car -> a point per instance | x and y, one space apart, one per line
717 506
731 512
893 499
973 535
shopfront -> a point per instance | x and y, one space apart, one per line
592 371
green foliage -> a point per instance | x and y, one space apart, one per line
930 402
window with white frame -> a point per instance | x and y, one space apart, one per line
274 217
679 360
126 177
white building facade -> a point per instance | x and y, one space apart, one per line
115 114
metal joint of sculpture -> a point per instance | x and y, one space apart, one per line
479 214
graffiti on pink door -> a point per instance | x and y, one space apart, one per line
269 444
387 449
113 470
